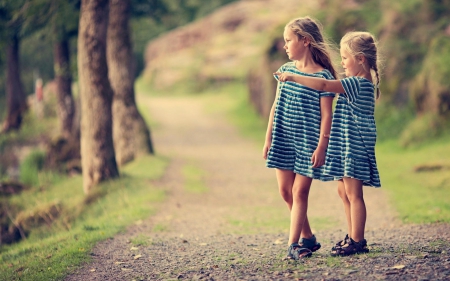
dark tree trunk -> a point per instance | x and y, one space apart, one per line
63 77
16 98
130 133
97 149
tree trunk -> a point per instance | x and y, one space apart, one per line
97 149
16 98
63 77
130 133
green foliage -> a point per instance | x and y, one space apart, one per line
423 128
392 120
30 167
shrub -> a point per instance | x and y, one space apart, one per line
30 167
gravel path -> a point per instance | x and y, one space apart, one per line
198 236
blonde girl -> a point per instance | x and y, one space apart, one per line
351 152
299 127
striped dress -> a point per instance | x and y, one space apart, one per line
296 125
351 149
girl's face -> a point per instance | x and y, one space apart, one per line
351 64
293 45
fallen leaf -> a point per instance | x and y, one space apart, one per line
137 256
134 248
278 242
411 257
400 266
49 256
92 270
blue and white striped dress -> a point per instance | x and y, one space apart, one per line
296 125
351 149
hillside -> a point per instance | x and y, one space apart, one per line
220 47
240 42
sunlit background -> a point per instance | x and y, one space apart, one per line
194 47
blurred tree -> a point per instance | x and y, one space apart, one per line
130 133
61 23
11 31
97 149
63 16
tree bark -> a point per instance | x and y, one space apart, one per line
63 77
16 98
130 133
97 149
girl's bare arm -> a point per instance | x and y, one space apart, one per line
320 84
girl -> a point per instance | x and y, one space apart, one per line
299 128
351 152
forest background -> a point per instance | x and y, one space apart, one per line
190 47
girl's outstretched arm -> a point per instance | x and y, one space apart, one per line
316 83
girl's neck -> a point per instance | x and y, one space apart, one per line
307 64
366 75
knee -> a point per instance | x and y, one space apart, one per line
354 197
342 193
286 194
300 193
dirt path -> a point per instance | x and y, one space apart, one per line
194 235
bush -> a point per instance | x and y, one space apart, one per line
392 120
30 167
423 128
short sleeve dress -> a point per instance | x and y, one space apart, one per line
351 149
296 125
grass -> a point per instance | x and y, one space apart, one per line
50 252
419 197
194 179
141 240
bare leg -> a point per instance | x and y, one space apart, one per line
285 180
306 229
343 195
354 191
300 193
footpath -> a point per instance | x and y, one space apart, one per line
237 228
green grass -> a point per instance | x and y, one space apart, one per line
194 179
419 197
141 240
50 252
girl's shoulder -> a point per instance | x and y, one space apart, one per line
358 79
289 66
325 73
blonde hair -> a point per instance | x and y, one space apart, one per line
319 46
359 43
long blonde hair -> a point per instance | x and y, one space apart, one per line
359 43
319 46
